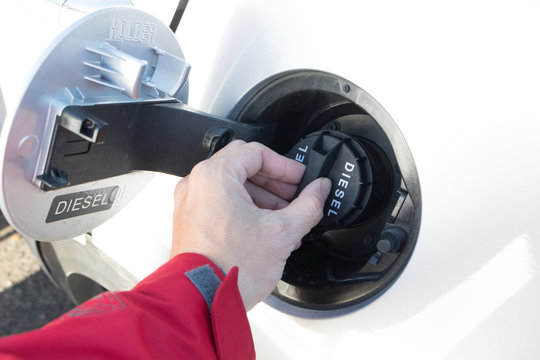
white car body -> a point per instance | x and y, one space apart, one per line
460 80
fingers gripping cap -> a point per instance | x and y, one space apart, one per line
344 161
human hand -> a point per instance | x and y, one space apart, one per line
234 209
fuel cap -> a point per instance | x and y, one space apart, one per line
343 160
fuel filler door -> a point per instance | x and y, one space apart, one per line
104 109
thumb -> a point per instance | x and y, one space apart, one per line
304 212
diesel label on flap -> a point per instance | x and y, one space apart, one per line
82 203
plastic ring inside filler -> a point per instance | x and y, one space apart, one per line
371 223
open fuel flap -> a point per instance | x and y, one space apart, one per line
372 215
106 107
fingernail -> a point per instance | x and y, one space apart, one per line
326 186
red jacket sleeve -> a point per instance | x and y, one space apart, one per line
168 315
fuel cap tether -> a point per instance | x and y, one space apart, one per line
343 160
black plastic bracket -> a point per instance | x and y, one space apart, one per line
101 141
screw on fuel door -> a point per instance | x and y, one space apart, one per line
343 160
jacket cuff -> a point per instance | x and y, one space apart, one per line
232 334
230 326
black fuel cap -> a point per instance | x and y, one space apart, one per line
343 160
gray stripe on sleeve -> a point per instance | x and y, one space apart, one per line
206 281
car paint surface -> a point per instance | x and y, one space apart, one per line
460 79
